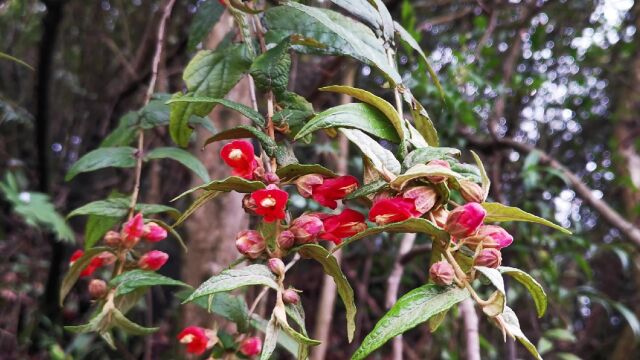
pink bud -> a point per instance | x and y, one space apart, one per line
154 232
271 178
491 236
471 191
488 257
307 183
286 239
249 205
290 296
441 273
465 220
251 346
97 288
306 228
436 179
250 243
423 197
276 266
132 231
440 215
112 238
153 260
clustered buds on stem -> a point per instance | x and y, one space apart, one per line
290 296
97 288
276 266
250 243
465 220
488 257
442 273
153 260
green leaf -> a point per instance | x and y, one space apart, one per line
332 268
436 320
424 155
486 182
283 338
560 335
248 112
381 158
171 231
497 212
232 279
5 56
368 189
198 203
423 122
497 300
535 289
355 116
412 309
298 337
270 339
512 326
381 104
181 156
231 183
413 225
363 10
231 307
119 320
206 16
96 227
125 133
211 74
118 157
134 279
270 70
240 132
291 172
421 171
73 274
119 207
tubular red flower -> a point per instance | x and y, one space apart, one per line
465 220
347 223
240 156
334 189
154 232
195 338
270 203
251 346
306 228
250 243
153 260
392 210
93 265
133 230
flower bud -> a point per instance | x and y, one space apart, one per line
249 205
276 266
440 216
436 179
424 197
250 243
286 239
471 191
290 296
153 232
488 257
251 346
97 288
132 231
305 184
271 178
106 258
153 260
491 236
112 238
465 220
441 273
306 228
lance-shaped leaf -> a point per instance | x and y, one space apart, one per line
535 289
486 182
363 10
359 116
415 138
232 279
381 104
381 159
497 212
118 157
424 155
135 279
423 122
421 171
119 207
412 309
270 70
270 339
295 312
243 109
231 183
332 268
181 156
73 274
368 189
512 327
198 203
240 132
413 225
497 300
293 171
119 320
96 227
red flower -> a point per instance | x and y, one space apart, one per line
270 203
94 264
392 210
195 338
133 230
334 189
346 224
251 346
153 260
154 232
465 220
240 156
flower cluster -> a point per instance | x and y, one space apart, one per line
197 340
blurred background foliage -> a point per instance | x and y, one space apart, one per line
547 92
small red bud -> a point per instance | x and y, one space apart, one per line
154 232
441 273
306 228
251 346
471 191
271 178
276 266
132 231
153 260
286 239
465 220
97 288
488 257
290 296
112 238
250 243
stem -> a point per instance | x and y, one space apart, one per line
257 300
463 278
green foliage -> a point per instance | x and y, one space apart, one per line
240 132
118 157
181 156
135 279
208 14
73 274
248 112
270 70
119 207
534 288
293 171
497 213
232 183
232 279
382 159
512 326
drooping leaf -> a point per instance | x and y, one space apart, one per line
359 116
240 132
119 207
413 225
198 203
387 20
497 212
283 339
424 155
73 274
270 339
231 183
96 227
293 171
363 10
535 289
436 320
486 182
131 280
332 268
497 301
423 122
512 326
421 171
118 157
243 109
119 320
5 56
270 70
412 309
232 279
207 15
381 158
181 156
